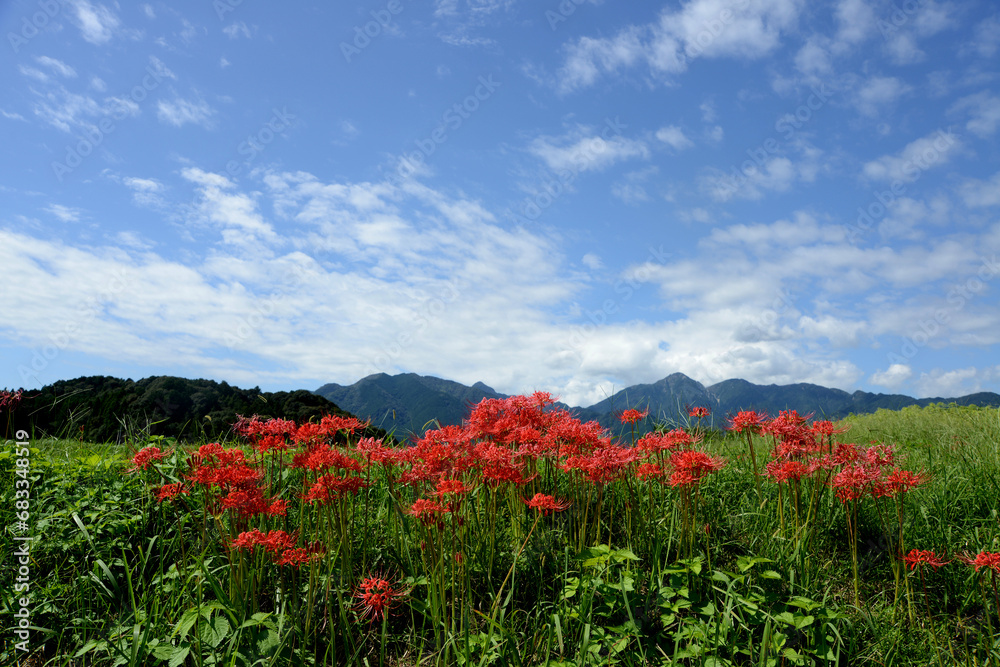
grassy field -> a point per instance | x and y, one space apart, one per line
522 539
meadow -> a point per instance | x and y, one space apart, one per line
521 538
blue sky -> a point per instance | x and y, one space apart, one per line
571 197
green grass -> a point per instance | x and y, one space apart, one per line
118 579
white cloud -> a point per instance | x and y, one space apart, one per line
582 149
986 40
933 150
878 93
145 191
893 377
592 261
674 137
984 111
64 213
57 66
97 23
939 383
700 28
178 112
856 21
977 193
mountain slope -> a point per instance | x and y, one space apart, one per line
102 409
405 403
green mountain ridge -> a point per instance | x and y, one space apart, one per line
407 402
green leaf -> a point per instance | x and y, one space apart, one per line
214 630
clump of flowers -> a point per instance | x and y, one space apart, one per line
375 597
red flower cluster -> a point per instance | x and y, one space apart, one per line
691 466
428 512
376 597
748 420
10 399
329 488
984 559
546 504
632 416
145 457
169 492
280 545
698 413
917 557
215 467
280 434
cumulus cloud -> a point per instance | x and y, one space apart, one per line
928 152
699 28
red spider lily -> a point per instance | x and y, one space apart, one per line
898 481
691 466
655 443
698 412
10 399
748 420
376 596
169 492
847 452
451 487
333 424
828 428
879 455
497 466
323 457
375 451
853 481
266 435
145 457
274 541
649 471
987 559
603 465
632 416
917 557
249 501
427 511
295 557
328 488
782 470
546 504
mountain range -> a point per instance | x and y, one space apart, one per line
407 403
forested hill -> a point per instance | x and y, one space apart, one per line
103 409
